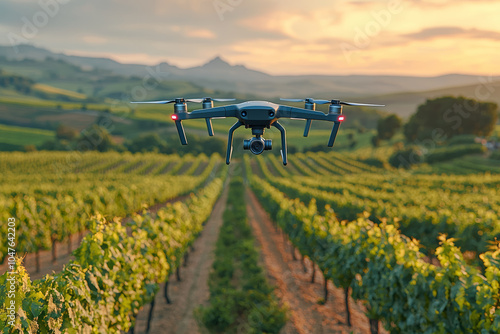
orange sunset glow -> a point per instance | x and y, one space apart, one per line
421 38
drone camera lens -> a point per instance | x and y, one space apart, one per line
271 114
257 146
244 114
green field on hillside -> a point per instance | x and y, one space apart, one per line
14 136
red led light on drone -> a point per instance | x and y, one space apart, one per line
341 118
174 117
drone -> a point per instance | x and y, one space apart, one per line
258 116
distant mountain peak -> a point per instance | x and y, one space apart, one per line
217 62
166 64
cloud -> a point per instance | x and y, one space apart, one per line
275 36
200 33
444 3
442 32
96 40
172 29
306 26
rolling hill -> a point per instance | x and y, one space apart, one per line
218 74
406 103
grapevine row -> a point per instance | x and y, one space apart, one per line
386 269
421 213
51 210
114 272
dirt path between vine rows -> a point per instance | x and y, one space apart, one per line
293 285
192 290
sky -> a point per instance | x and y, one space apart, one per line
279 37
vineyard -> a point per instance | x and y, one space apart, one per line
392 239
52 195
423 206
418 248
118 266
246 167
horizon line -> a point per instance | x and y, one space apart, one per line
71 54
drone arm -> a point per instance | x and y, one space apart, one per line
283 142
229 151
292 112
226 111
207 114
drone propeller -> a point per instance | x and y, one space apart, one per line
310 100
349 103
209 99
294 100
158 102
181 100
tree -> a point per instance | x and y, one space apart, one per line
387 127
66 132
30 148
406 158
95 138
448 116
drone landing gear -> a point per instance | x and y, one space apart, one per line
180 131
229 151
258 144
283 142
333 135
